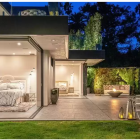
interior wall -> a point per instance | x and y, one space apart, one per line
20 66
70 74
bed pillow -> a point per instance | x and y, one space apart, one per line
14 85
21 84
3 86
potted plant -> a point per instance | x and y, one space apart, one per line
54 96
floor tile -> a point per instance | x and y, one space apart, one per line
91 108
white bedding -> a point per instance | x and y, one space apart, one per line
8 97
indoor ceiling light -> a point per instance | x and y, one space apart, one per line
13 53
18 43
53 40
29 52
56 48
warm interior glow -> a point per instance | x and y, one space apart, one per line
18 43
114 89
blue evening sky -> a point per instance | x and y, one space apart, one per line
75 4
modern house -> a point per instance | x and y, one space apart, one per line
34 51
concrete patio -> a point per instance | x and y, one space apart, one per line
90 108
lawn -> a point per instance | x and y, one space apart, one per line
70 130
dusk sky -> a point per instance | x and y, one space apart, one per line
75 4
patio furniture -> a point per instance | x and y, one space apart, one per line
125 89
114 93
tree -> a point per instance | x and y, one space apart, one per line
119 27
76 22
65 8
68 8
93 32
116 27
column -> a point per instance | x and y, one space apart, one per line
46 82
38 79
85 79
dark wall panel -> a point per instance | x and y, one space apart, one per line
34 25
86 54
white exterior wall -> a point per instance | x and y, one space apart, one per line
48 79
81 79
3 10
39 84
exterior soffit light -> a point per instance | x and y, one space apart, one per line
18 43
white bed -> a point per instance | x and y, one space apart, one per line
11 91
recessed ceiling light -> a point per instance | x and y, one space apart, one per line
18 43
56 48
29 52
13 53
53 40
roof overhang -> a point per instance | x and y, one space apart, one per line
34 25
42 29
91 57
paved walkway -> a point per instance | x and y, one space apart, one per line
90 108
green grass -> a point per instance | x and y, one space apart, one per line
70 130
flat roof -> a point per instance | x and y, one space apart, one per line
34 25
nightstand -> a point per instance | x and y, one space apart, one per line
71 90
30 97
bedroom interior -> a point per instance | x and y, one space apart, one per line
68 78
18 78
